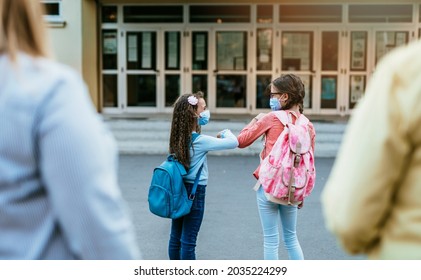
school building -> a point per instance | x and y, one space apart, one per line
138 56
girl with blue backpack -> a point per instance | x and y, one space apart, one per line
190 147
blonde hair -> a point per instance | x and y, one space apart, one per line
22 28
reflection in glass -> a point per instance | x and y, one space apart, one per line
264 13
231 91
388 40
356 89
358 50
200 50
109 89
141 90
172 50
109 49
329 92
263 91
310 13
297 49
330 50
219 13
141 50
172 89
150 14
380 13
51 9
200 83
231 49
109 14
264 49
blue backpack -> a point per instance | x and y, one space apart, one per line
167 195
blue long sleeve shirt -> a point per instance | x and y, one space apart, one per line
201 146
59 197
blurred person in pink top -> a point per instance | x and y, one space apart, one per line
286 93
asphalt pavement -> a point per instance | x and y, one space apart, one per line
231 227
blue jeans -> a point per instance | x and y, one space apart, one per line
270 216
184 230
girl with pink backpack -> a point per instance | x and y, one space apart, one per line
287 95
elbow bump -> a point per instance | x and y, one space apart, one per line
241 145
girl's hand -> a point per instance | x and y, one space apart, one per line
221 133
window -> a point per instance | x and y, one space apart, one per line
264 48
53 13
310 13
152 14
109 14
220 14
380 13
264 13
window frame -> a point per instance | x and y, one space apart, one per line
55 20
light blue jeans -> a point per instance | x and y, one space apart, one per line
270 216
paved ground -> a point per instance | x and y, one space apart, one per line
231 228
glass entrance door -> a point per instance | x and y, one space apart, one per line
264 67
297 49
314 55
358 66
330 100
141 70
172 68
198 59
230 71
152 75
110 70
367 46
387 40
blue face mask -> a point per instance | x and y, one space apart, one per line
274 104
204 117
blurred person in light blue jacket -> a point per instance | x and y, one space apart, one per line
59 197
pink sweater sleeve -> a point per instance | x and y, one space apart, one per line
252 131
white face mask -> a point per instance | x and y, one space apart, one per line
204 117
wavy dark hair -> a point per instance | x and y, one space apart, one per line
184 121
294 87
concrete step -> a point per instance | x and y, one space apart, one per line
136 136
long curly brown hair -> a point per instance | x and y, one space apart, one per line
184 121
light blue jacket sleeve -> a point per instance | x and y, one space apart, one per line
209 143
78 163
201 146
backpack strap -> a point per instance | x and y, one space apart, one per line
285 117
196 182
282 117
302 120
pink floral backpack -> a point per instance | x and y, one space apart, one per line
288 173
